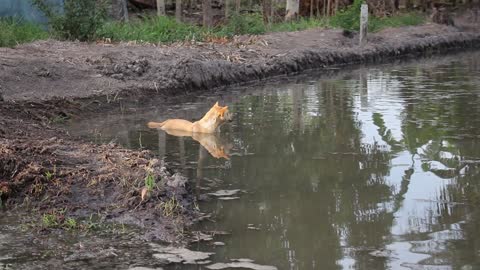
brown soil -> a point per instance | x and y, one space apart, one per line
45 81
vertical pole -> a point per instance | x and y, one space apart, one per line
363 24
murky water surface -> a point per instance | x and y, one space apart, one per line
375 168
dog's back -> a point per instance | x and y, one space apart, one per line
175 124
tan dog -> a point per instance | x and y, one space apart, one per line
210 123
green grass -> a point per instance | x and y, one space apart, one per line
167 30
408 19
14 31
152 30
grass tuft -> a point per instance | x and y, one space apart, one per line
15 31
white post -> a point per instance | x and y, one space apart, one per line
363 24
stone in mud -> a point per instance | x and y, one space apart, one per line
246 265
218 243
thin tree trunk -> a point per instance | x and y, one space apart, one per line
161 7
207 13
227 8
311 8
329 5
324 6
292 9
178 10
317 2
267 6
237 6
272 11
336 6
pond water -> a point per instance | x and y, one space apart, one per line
372 168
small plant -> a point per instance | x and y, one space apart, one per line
71 223
50 220
169 207
48 175
149 182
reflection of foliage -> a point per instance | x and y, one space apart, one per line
385 133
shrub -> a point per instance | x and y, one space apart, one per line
79 19
348 18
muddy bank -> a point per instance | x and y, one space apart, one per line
45 171
49 69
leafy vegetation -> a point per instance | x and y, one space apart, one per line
87 20
349 19
79 19
16 31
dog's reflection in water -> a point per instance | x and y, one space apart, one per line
210 141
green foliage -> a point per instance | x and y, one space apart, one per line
348 18
152 29
242 24
15 31
80 19
48 175
408 19
149 182
297 25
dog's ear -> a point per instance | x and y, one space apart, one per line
216 104
223 110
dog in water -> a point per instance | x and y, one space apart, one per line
202 130
210 123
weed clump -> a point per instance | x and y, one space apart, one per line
16 31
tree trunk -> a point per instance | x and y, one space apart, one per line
329 5
336 6
161 7
312 2
267 6
207 12
119 10
178 10
227 8
237 6
292 9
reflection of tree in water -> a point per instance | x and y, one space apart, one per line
325 189
440 124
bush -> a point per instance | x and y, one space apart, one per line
79 19
15 31
348 18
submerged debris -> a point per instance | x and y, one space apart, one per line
180 255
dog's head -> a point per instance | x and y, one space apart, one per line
223 114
